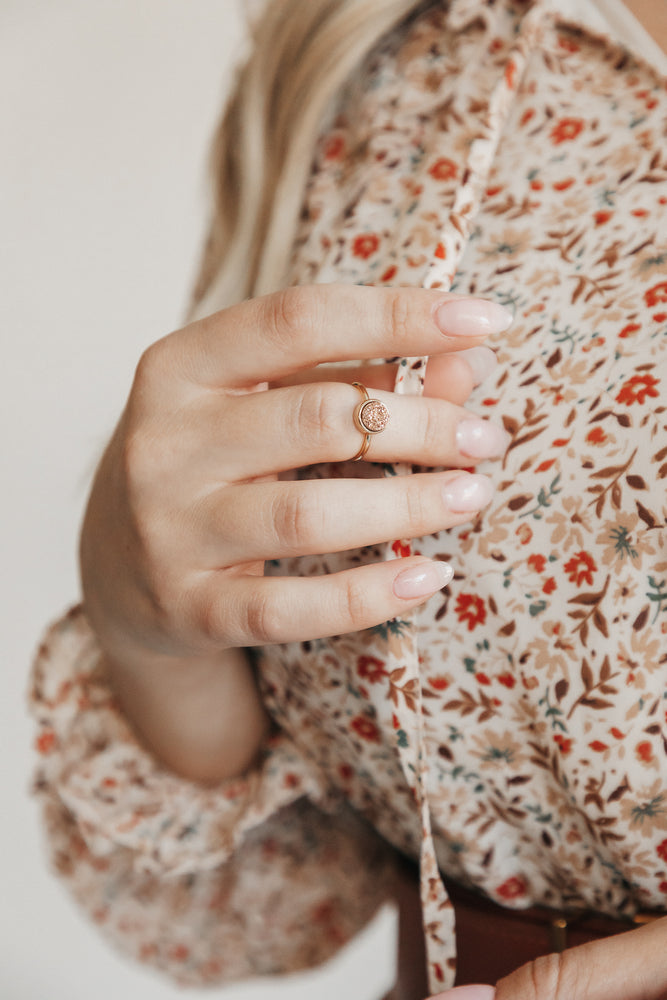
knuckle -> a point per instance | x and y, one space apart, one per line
263 621
399 319
289 313
356 607
414 505
430 430
298 521
315 420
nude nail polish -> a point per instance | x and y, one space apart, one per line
472 317
422 580
479 438
467 494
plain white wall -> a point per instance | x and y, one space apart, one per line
105 113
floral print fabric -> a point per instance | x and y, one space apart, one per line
512 733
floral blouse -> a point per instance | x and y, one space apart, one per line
511 734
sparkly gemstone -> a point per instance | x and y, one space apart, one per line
374 416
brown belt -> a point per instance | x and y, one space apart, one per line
492 940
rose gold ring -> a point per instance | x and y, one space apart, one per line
370 417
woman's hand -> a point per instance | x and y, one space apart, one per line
186 505
630 966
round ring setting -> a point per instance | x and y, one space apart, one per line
371 416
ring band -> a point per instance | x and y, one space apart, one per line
370 417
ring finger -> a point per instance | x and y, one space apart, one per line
308 424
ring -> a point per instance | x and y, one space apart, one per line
371 416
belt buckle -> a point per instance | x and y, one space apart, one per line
558 934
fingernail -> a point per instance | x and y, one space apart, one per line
467 493
481 361
468 993
479 438
422 580
472 317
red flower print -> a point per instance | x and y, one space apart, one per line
616 733
389 273
545 466
470 608
549 585
598 746
663 886
537 562
662 850
365 245
637 388
510 74
596 436
602 217
345 772
527 116
440 252
334 147
509 680
482 678
440 683
444 169
659 317
536 185
179 953
291 780
568 44
46 742
563 185
564 745
366 728
566 129
512 888
654 296
400 548
644 751
581 568
371 669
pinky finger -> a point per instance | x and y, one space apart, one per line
257 610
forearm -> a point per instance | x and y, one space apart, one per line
203 717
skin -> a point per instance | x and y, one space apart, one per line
653 15
186 505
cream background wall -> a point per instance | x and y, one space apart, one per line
104 118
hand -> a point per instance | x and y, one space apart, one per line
629 966
186 505
186 509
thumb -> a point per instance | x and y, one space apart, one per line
467 993
628 966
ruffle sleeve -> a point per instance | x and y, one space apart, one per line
264 874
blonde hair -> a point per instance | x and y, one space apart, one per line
303 52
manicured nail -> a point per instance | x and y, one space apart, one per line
422 580
472 317
468 993
478 438
481 361
467 493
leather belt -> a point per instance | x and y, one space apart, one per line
493 940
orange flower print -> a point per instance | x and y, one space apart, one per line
662 850
654 296
637 388
537 562
581 568
644 751
400 549
366 728
508 680
549 585
602 217
470 609
443 169
334 147
371 669
596 436
365 245
564 745
439 682
566 129
512 888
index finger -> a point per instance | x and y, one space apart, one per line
275 335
